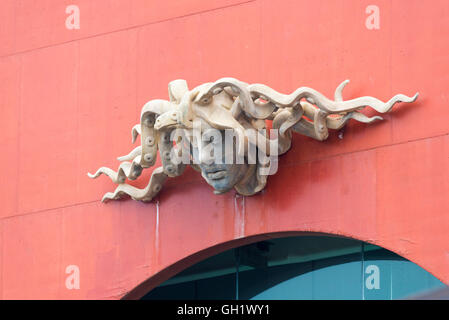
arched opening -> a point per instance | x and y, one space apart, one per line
299 267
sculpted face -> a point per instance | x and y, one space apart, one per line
221 176
237 106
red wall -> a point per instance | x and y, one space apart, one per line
69 98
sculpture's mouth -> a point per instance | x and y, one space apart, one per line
216 175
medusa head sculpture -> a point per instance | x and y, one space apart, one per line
194 125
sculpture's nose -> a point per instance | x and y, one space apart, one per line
206 155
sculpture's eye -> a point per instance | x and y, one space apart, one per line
204 99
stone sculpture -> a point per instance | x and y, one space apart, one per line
230 105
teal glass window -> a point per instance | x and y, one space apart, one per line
296 268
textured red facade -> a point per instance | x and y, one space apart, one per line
69 98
